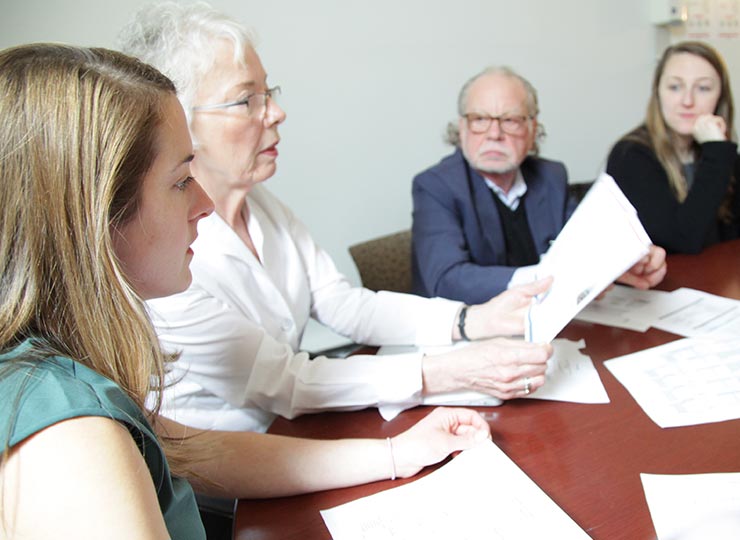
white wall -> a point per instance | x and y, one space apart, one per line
369 86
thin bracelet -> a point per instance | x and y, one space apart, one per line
393 459
461 323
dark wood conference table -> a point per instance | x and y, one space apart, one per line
587 458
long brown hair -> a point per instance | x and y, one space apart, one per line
656 134
77 135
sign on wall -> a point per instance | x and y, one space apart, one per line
713 19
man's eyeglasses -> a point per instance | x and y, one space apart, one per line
254 104
510 124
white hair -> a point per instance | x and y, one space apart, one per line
179 39
452 135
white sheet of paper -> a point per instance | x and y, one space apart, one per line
623 307
685 382
570 376
688 312
694 506
602 240
479 494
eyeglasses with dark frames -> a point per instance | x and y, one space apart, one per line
512 124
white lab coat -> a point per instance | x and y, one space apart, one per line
240 323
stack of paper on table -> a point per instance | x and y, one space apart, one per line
602 240
624 307
686 312
692 313
685 382
479 494
570 376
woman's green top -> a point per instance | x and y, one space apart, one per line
37 391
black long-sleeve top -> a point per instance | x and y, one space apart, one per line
680 227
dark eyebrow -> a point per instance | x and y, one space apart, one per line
186 160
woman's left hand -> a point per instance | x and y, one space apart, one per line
436 436
709 127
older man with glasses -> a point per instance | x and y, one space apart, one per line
484 214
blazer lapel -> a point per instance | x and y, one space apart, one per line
486 213
538 206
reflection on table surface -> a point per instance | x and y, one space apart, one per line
587 458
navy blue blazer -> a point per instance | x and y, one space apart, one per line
458 248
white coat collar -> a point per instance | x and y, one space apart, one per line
229 243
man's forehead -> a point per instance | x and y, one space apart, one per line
497 90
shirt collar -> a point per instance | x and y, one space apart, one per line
515 194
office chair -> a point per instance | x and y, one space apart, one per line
578 190
384 263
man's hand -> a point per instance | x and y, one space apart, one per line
648 272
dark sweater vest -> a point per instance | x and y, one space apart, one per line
520 250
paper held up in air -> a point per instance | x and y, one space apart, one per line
602 240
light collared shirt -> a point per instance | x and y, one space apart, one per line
240 323
515 194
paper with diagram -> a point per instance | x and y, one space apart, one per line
685 382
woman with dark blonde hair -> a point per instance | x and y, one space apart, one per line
99 211
680 168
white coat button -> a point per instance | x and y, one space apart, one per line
286 325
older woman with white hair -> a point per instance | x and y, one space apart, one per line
258 275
